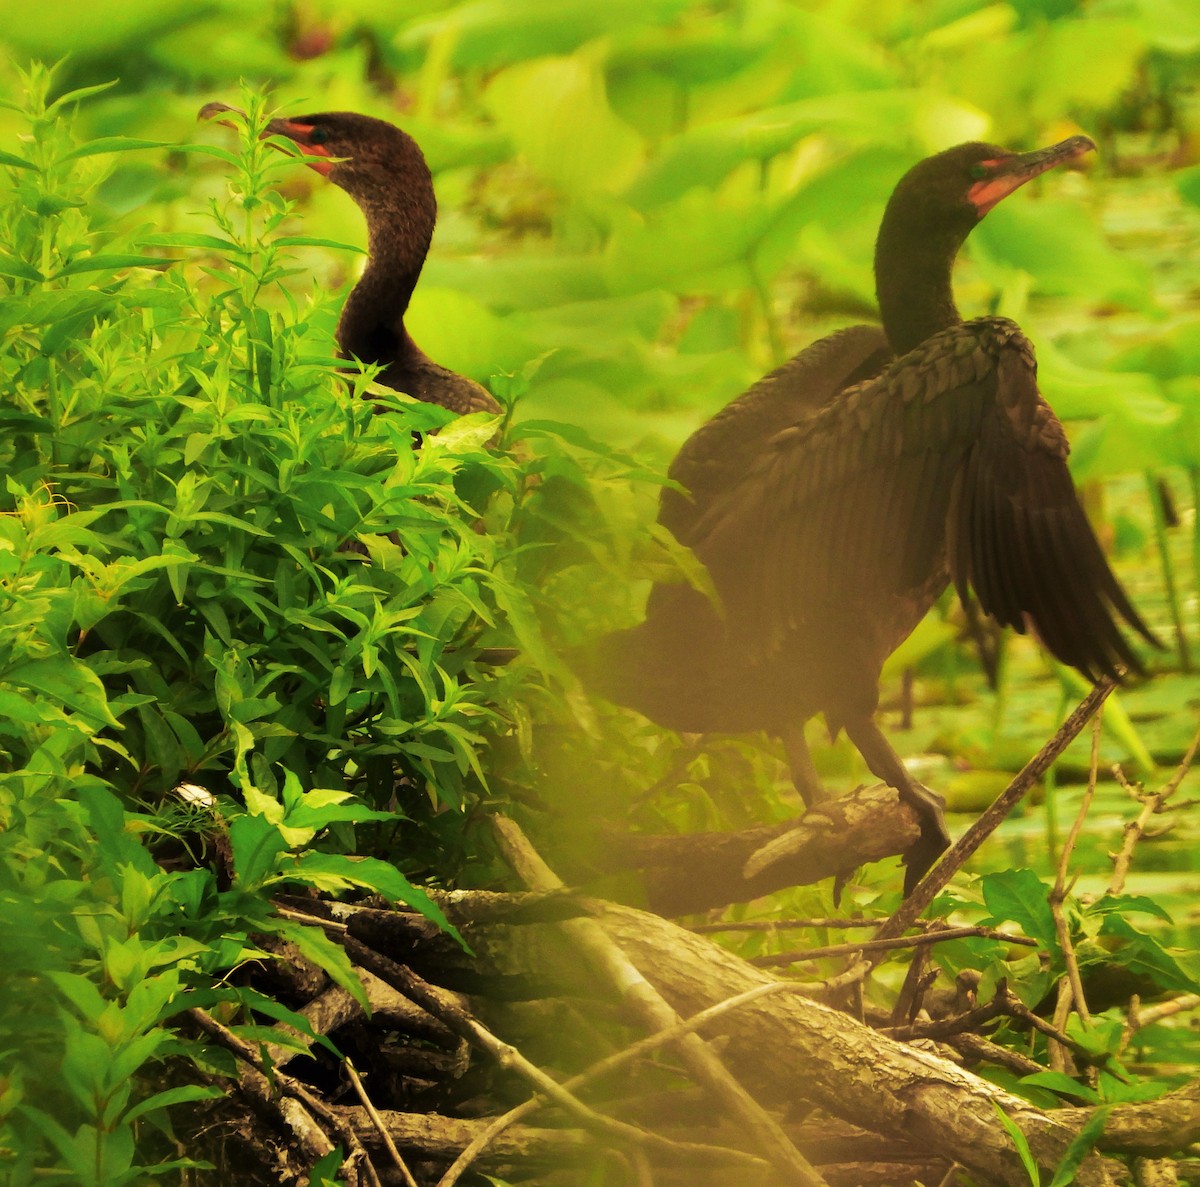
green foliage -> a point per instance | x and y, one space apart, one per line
1108 948
186 471
1073 1158
642 209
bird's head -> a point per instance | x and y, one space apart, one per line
950 192
932 210
367 157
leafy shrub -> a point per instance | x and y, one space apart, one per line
219 566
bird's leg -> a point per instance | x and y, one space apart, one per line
804 774
886 764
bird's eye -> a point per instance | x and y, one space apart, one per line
978 172
318 136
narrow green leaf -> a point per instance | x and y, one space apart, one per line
114 144
1022 1144
211 150
189 239
11 266
110 263
1079 1149
7 158
314 944
1062 1084
80 93
313 241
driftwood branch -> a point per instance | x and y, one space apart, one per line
817 1054
636 991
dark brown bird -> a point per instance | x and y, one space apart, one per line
834 501
383 169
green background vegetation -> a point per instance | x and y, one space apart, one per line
644 207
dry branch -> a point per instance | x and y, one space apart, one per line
634 989
820 1056
953 859
832 840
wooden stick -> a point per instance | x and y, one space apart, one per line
657 1015
380 1128
1058 895
952 861
929 937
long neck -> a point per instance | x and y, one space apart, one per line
912 280
372 323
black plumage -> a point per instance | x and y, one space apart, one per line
383 169
833 502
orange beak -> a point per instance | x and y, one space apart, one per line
1010 173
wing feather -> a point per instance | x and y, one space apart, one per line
847 505
1021 539
714 458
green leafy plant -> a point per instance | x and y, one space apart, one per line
186 468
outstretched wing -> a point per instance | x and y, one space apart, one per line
1019 537
847 514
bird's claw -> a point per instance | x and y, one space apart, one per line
934 839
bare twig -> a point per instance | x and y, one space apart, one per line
976 1047
443 1006
1004 1003
833 987
929 886
702 929
1058 1055
377 1121
309 918
1161 1010
1138 1018
968 1021
1018 1009
912 991
930 937
1181 771
1152 804
1070 991
611 1063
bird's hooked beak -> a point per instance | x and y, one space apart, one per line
1000 177
298 133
